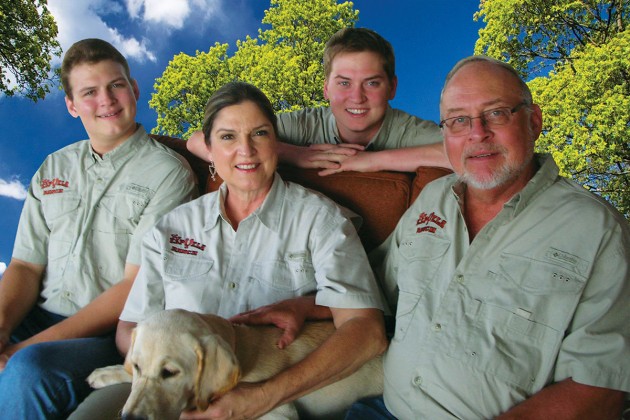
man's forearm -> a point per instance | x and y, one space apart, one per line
569 400
99 317
19 290
407 159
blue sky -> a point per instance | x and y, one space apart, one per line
428 38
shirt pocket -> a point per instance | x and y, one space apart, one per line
282 279
522 322
60 206
548 291
121 212
179 267
420 259
61 214
188 283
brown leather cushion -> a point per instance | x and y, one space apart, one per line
379 197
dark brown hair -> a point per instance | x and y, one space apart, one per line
359 40
234 93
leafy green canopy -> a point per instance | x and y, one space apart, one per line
28 41
284 61
576 55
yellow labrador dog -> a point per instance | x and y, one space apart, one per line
181 360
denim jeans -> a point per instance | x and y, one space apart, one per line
371 408
48 380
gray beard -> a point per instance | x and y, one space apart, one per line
502 176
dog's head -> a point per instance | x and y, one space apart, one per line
178 362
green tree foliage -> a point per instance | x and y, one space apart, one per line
28 41
576 56
284 61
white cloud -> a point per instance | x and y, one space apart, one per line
172 13
12 189
77 20
3 267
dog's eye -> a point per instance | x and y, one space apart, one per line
168 373
136 368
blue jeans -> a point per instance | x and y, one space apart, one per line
48 380
371 408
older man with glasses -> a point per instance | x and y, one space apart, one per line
510 284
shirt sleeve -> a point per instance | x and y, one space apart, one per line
307 126
596 349
33 233
343 274
147 293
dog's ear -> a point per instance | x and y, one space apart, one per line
218 370
127 364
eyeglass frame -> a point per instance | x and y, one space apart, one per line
484 122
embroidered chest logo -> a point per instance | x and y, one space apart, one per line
53 186
183 245
425 223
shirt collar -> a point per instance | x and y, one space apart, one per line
123 152
544 177
385 128
268 213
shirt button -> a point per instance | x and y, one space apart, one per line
417 381
460 278
232 285
437 327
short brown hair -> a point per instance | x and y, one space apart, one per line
234 93
359 40
92 51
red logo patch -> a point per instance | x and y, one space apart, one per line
186 243
51 186
425 219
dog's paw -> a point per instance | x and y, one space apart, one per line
109 375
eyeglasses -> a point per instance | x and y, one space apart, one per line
459 126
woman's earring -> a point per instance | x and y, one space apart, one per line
213 171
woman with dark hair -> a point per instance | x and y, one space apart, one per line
256 241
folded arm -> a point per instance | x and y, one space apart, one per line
405 159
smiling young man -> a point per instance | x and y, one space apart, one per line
78 241
360 131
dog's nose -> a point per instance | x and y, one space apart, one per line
133 417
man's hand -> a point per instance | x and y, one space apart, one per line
360 162
246 401
317 156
